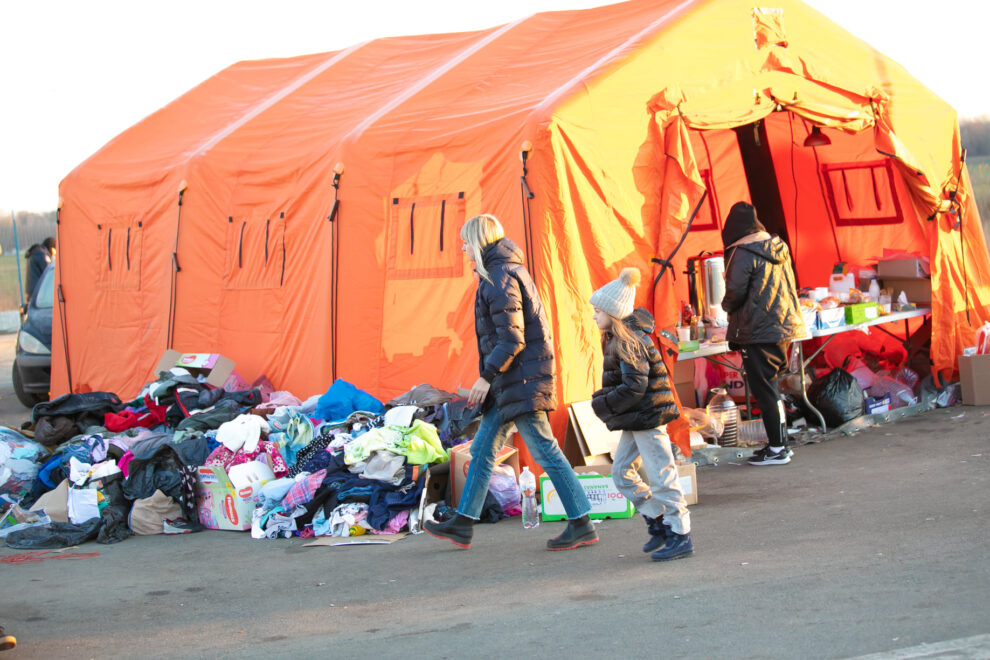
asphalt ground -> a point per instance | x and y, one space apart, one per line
874 543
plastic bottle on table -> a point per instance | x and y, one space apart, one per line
530 509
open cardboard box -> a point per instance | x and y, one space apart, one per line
460 460
587 440
221 506
214 367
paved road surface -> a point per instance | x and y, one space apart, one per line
870 544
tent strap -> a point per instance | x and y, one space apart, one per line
666 263
61 297
173 280
527 195
334 261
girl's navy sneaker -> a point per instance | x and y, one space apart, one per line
677 546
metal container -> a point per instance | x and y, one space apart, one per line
706 284
696 282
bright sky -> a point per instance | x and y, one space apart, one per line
75 73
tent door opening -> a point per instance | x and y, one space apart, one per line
761 178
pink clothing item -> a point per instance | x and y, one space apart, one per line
278 400
124 461
395 524
223 457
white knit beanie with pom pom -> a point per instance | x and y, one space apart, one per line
618 297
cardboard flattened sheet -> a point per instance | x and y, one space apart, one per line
365 539
588 441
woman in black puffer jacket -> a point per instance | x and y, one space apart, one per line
636 399
516 386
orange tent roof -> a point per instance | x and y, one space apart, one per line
205 227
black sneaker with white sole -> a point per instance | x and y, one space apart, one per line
767 456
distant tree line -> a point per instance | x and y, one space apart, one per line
31 228
975 134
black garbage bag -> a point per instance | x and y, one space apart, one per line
53 535
838 397
113 527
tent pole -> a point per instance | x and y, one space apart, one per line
338 170
17 258
61 294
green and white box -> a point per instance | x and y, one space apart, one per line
606 500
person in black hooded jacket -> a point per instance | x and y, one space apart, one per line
516 386
764 317
636 398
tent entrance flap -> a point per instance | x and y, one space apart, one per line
761 178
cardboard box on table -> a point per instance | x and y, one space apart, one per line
902 267
974 377
860 312
916 289
460 460
214 367
831 318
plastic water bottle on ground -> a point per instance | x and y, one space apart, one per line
530 509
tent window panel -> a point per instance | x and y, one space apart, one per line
120 255
708 214
424 236
862 193
255 257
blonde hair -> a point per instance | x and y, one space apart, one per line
625 344
479 232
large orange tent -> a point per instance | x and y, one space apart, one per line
215 224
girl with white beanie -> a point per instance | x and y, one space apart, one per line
636 398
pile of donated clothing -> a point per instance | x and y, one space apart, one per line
337 464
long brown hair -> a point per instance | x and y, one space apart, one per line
624 342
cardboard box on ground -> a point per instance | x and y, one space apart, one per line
974 377
588 445
221 505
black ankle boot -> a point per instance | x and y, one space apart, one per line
458 530
579 532
658 533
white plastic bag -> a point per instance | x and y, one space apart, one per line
504 487
707 425
983 339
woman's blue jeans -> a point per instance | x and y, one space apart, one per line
535 431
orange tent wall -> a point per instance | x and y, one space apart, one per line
422 120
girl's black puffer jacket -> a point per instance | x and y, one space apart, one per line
635 397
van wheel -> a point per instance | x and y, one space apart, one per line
27 399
